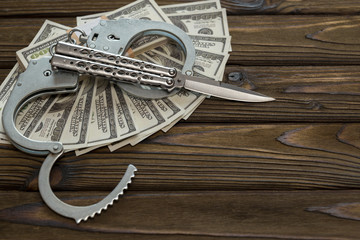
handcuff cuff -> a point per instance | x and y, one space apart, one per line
40 78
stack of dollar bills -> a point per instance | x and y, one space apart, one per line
101 113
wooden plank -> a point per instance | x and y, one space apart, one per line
256 40
76 8
304 94
291 7
294 40
208 157
189 215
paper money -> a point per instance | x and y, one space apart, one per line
218 44
81 20
76 128
37 50
145 44
208 64
51 126
66 120
5 90
111 118
141 9
124 120
192 7
145 114
29 116
42 48
48 30
185 101
189 101
125 124
168 109
157 57
208 23
102 120
100 113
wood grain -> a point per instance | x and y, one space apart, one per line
201 157
256 40
303 94
186 215
291 7
233 170
295 40
77 8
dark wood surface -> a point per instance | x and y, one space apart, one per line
288 169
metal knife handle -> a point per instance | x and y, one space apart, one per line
91 54
113 72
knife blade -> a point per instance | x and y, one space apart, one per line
222 90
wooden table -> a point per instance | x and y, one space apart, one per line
288 169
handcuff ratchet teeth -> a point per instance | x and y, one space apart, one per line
43 78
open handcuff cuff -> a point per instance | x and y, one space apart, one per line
103 56
107 41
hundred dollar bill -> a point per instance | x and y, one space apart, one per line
76 128
141 9
173 50
49 29
125 124
31 114
160 43
81 20
5 90
63 119
218 44
145 44
173 109
124 120
202 22
102 117
162 59
51 125
41 49
145 114
210 64
168 109
207 64
66 119
37 50
187 100
191 7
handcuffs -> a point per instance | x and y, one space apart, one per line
109 37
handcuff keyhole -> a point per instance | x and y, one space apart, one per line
113 37
47 73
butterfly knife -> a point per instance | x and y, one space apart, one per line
122 69
60 72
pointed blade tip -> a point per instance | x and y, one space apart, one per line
254 99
